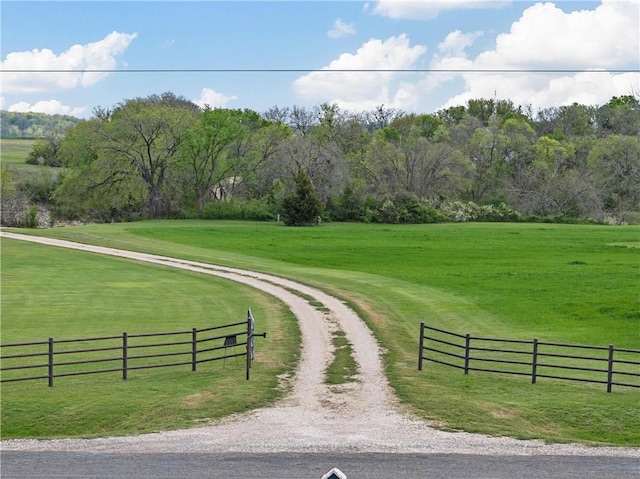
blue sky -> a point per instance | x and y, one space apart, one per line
316 36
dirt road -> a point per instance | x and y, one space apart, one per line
362 416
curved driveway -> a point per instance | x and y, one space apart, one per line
352 423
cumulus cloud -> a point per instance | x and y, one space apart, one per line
428 9
546 38
341 29
100 55
214 99
50 107
358 90
456 42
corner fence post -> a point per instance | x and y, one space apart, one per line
125 355
467 352
249 338
421 350
534 361
610 369
50 362
194 348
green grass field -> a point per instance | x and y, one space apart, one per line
52 292
565 283
14 152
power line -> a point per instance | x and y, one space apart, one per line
321 70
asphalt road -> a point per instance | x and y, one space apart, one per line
55 465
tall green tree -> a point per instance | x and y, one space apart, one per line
405 162
620 116
206 151
81 143
141 138
616 162
550 184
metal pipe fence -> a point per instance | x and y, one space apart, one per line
536 359
56 358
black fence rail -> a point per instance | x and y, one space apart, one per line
535 359
124 353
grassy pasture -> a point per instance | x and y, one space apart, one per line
565 283
52 292
14 152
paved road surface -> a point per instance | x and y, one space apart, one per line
57 465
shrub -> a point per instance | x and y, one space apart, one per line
257 211
459 211
414 210
39 187
349 206
31 219
221 210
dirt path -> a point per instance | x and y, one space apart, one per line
362 416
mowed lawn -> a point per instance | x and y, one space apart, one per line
65 294
564 283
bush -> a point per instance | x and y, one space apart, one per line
349 206
414 210
459 211
257 211
221 210
45 152
40 187
31 219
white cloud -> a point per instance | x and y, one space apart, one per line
213 98
341 29
546 38
456 42
50 107
76 60
589 88
359 90
428 9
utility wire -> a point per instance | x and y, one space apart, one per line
310 70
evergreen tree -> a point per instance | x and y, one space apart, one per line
303 207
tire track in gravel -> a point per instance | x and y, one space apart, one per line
360 416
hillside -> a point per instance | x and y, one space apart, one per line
33 125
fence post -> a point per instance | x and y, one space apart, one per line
50 362
194 348
249 337
534 361
125 356
610 369
421 350
467 353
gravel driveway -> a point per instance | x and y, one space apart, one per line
362 416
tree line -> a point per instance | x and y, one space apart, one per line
33 125
164 157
